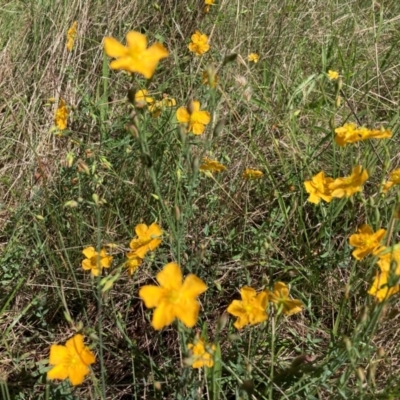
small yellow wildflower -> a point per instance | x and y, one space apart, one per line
394 179
280 297
252 174
94 261
199 44
142 98
71 36
61 117
135 57
193 117
253 57
251 310
211 166
173 299
348 185
157 107
350 133
333 75
380 288
318 188
149 238
366 241
132 263
389 259
201 353
70 361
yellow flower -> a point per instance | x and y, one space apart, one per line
202 354
349 185
143 99
318 188
380 288
70 361
208 4
211 165
389 259
280 297
199 44
366 241
252 174
394 179
251 310
148 240
194 119
135 57
71 36
61 117
157 107
173 299
333 75
132 263
253 57
350 133
94 261
210 78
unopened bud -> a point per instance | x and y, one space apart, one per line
360 374
69 160
132 130
190 107
95 198
371 373
177 213
381 352
71 204
338 101
347 343
223 320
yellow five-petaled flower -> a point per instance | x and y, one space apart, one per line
94 261
211 166
366 241
199 44
135 57
253 57
70 361
202 353
173 298
280 297
194 118
149 238
251 310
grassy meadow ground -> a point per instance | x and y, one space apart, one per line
94 182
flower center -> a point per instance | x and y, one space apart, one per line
174 296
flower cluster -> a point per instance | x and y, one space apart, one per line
350 133
252 309
324 188
155 107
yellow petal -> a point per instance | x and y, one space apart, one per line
281 288
192 287
195 106
124 63
58 372
247 294
170 277
77 374
154 244
203 117
157 51
163 315
113 48
152 295
87 264
236 309
58 354
182 115
154 230
188 313
197 128
141 230
89 252
136 41
75 344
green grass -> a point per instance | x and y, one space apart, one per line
278 116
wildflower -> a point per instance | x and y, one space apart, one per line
210 78
61 117
132 263
201 354
142 98
350 133
94 261
333 75
318 188
253 57
208 4
380 287
349 185
71 36
394 179
148 240
194 119
251 310
252 174
157 107
199 44
135 57
211 165
389 259
173 299
70 361
280 297
366 241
